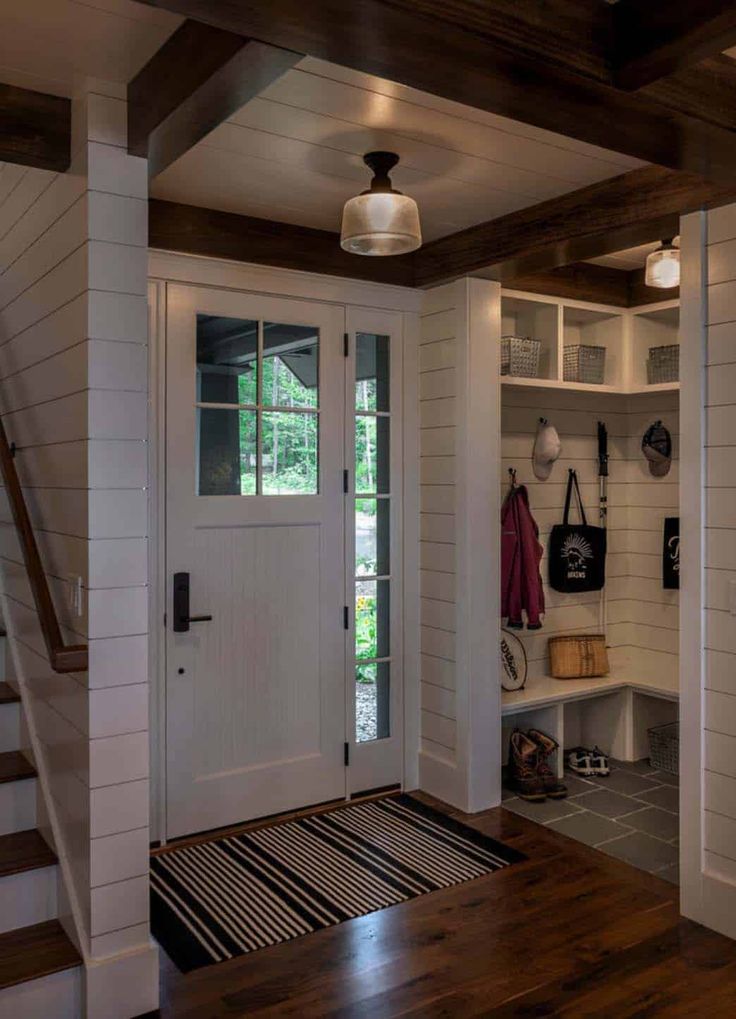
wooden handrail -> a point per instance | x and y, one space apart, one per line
63 657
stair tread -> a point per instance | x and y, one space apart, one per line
24 850
31 952
14 766
8 694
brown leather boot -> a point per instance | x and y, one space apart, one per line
546 746
523 760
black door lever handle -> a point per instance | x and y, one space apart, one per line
182 619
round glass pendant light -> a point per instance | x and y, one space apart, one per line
380 221
663 267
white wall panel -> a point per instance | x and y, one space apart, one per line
73 361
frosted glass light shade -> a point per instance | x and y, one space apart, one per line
663 268
380 223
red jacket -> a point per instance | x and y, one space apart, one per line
521 553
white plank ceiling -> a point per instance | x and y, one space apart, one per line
631 258
294 154
46 44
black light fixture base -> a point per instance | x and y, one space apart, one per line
381 163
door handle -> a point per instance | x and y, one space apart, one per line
182 619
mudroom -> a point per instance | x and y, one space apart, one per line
569 403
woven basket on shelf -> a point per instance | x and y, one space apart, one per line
578 657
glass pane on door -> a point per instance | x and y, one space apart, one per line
227 451
290 365
227 360
289 453
268 373
372 522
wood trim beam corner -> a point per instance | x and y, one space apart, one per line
199 77
618 213
35 129
487 61
658 37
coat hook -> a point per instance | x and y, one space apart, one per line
512 476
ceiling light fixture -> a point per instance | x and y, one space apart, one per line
663 267
380 221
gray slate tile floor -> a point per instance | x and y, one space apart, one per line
632 815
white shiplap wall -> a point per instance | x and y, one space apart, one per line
438 566
575 416
73 361
641 617
719 840
459 462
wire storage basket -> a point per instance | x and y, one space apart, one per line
520 356
663 364
584 363
664 747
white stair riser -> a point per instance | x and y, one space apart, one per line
9 727
58 995
27 898
17 806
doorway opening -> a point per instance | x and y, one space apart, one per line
283 679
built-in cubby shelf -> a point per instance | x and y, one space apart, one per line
614 712
626 333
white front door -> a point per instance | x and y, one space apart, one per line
256 694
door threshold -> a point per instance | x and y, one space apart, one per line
266 822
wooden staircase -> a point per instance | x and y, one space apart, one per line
40 969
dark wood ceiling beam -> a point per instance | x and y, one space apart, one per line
706 91
581 281
619 213
35 129
197 231
657 37
523 249
494 71
577 35
199 77
599 284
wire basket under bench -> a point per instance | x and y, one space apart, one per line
664 747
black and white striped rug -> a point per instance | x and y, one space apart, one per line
216 900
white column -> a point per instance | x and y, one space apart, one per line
708 560
122 973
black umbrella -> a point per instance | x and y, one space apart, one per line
603 470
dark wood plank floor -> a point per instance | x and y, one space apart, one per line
570 932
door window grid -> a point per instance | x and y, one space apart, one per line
266 428
372 522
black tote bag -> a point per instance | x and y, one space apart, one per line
577 552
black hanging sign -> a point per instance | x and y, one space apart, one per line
577 552
671 554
